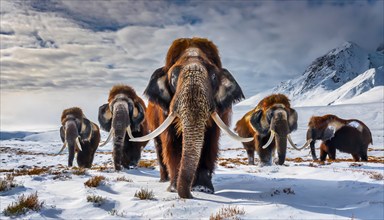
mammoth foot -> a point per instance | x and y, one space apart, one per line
204 189
172 188
164 179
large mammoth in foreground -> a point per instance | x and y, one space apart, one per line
80 135
123 118
350 136
270 123
188 99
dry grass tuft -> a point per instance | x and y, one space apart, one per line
230 212
31 171
376 176
79 171
94 181
145 194
123 178
23 205
95 199
231 162
147 163
7 182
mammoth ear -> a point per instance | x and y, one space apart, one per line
62 134
86 130
228 91
257 123
292 120
105 117
138 116
158 90
329 133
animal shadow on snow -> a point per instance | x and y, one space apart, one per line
343 198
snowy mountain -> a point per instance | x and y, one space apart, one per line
343 73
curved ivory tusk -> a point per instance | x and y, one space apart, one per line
157 131
291 142
78 144
108 138
225 128
270 140
64 146
306 144
129 132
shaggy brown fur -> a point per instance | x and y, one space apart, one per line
270 100
75 111
126 90
349 139
179 46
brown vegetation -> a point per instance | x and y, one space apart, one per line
230 212
23 205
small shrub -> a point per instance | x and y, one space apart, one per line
23 205
31 171
94 181
79 171
114 212
123 178
147 163
97 200
227 212
7 183
145 194
376 176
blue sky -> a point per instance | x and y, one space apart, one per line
88 46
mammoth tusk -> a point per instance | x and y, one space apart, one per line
225 128
108 138
306 144
157 131
78 144
293 144
64 146
129 132
270 140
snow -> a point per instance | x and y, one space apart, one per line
297 190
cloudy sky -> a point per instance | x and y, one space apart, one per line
58 54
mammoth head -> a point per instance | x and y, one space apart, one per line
75 129
124 112
274 113
197 59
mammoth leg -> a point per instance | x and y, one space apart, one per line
332 153
172 149
159 151
203 176
356 157
251 157
265 155
363 155
313 150
323 152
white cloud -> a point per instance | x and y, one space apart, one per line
49 45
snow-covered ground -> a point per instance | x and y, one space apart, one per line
301 189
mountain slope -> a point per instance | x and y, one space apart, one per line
343 73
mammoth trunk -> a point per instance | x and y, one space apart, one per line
193 108
71 134
120 121
280 126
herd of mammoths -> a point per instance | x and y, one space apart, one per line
190 99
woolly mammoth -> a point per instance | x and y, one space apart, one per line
270 123
123 118
80 135
350 136
189 99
